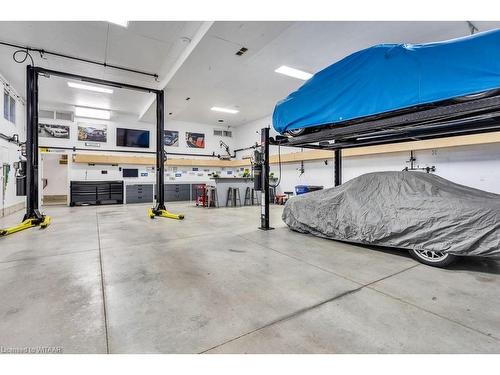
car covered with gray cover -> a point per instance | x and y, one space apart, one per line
434 218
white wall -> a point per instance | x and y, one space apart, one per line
475 166
246 135
83 172
211 141
55 173
9 151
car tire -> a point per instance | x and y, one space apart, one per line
433 258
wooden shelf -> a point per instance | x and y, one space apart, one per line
311 155
148 160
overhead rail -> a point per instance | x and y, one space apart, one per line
43 52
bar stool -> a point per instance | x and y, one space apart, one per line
201 195
233 196
251 197
272 194
212 197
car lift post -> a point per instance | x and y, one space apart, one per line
338 167
160 209
32 217
264 201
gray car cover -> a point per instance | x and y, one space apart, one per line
408 210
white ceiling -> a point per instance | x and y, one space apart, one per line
148 46
211 75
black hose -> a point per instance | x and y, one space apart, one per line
26 55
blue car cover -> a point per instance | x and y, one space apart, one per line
389 77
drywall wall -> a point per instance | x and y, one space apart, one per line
122 121
9 152
473 166
83 172
55 173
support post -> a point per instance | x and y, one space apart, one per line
32 217
32 209
159 209
160 153
338 167
264 202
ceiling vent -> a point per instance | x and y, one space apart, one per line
241 51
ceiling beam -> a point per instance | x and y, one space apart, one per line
205 26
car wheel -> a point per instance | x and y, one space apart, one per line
433 258
296 132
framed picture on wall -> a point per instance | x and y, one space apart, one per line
171 138
195 140
53 131
94 133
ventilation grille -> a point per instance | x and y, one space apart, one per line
223 133
67 116
55 115
46 114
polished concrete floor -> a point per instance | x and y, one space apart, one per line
109 279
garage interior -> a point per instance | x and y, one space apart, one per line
103 276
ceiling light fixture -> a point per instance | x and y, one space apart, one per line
225 110
295 73
89 88
101 114
120 23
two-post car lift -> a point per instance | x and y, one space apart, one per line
33 217
462 116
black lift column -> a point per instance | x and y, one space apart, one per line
32 209
338 167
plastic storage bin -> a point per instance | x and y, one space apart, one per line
302 189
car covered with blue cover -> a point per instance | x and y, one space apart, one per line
391 77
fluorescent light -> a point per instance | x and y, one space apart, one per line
89 88
225 110
295 73
92 113
120 23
